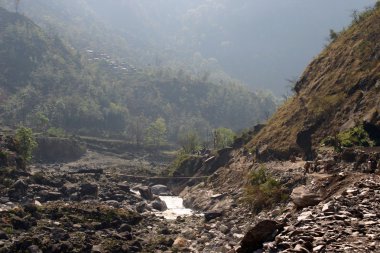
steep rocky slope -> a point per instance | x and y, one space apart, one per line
337 91
330 202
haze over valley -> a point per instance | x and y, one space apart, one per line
213 126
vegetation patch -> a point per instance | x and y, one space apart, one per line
263 190
25 143
178 161
356 136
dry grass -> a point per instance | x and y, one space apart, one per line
331 86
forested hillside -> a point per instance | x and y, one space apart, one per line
46 84
260 42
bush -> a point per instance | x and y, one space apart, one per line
330 141
263 191
56 132
180 158
25 143
356 136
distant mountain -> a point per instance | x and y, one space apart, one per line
262 43
337 94
44 83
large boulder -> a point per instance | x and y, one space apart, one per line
159 205
210 215
264 231
49 195
90 190
18 190
302 197
146 192
160 189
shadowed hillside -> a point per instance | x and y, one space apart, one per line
46 84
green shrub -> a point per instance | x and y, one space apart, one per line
263 191
25 143
180 158
56 132
356 136
329 141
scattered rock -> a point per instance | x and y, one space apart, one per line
140 207
180 242
34 249
302 197
146 192
160 189
159 205
210 215
124 187
91 190
49 195
3 235
264 231
18 190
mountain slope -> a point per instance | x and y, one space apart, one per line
338 90
259 42
45 83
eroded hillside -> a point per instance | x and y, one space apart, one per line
337 91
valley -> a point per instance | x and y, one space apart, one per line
100 152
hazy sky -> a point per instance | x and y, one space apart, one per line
261 42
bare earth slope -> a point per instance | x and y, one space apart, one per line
338 90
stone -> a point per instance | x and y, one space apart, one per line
34 249
20 223
264 231
349 155
210 215
146 192
30 208
140 207
305 216
299 248
328 207
124 187
18 190
3 235
91 190
302 197
97 249
125 228
180 242
159 205
160 189
49 195
224 229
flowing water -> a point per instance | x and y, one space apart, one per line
175 207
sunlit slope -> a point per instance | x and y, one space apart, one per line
338 90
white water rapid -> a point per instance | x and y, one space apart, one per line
175 207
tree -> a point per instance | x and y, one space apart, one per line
25 143
137 129
189 141
41 121
223 137
156 133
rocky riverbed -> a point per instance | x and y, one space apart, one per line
94 205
